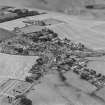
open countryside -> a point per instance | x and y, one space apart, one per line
51 58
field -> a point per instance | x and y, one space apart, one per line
31 28
5 34
75 81
20 87
52 91
47 95
7 85
86 36
101 93
10 25
52 21
98 64
99 27
13 66
56 5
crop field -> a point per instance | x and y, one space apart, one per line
13 66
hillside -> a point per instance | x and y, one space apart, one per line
57 5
